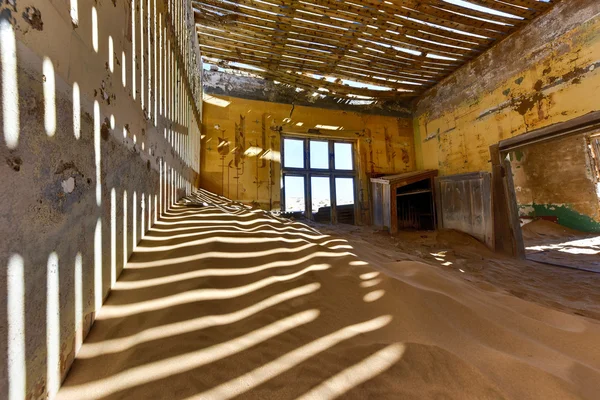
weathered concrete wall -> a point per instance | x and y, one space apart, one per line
544 74
249 170
555 178
100 132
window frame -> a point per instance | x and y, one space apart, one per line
307 172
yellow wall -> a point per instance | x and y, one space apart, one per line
547 73
384 144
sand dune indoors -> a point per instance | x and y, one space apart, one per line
220 301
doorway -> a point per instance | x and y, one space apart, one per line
554 182
319 179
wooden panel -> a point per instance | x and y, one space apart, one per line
385 196
377 203
465 204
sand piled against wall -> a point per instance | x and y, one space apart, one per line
221 302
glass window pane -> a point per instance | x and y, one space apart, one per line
344 191
344 200
294 193
321 198
319 154
293 153
343 155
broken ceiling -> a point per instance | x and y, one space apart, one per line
366 50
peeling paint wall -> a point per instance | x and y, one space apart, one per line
555 178
544 74
100 132
241 143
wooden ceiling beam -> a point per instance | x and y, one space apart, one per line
406 45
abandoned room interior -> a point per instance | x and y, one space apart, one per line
289 199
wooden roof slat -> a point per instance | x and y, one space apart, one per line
400 44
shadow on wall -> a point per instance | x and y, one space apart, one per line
220 301
91 163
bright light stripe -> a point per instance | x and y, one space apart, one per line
155 371
125 246
222 239
268 371
351 377
156 56
143 217
142 53
160 186
149 198
134 215
476 7
111 54
124 70
133 48
212 272
15 311
95 29
179 328
113 237
74 11
160 60
97 153
52 326
149 59
120 311
49 97
78 306
10 89
98 266
76 111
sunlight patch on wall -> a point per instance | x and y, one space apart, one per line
111 55
133 48
97 153
78 286
49 97
113 237
15 309
124 69
76 111
95 29
207 98
134 215
53 326
74 11
98 265
10 88
125 246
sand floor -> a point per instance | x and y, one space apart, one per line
222 302
551 243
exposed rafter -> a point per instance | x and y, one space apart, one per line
371 48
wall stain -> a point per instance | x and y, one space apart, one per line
14 163
33 16
104 130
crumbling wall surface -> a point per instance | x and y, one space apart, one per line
544 74
555 178
234 84
95 144
249 170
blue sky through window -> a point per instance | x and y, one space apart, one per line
293 153
319 154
